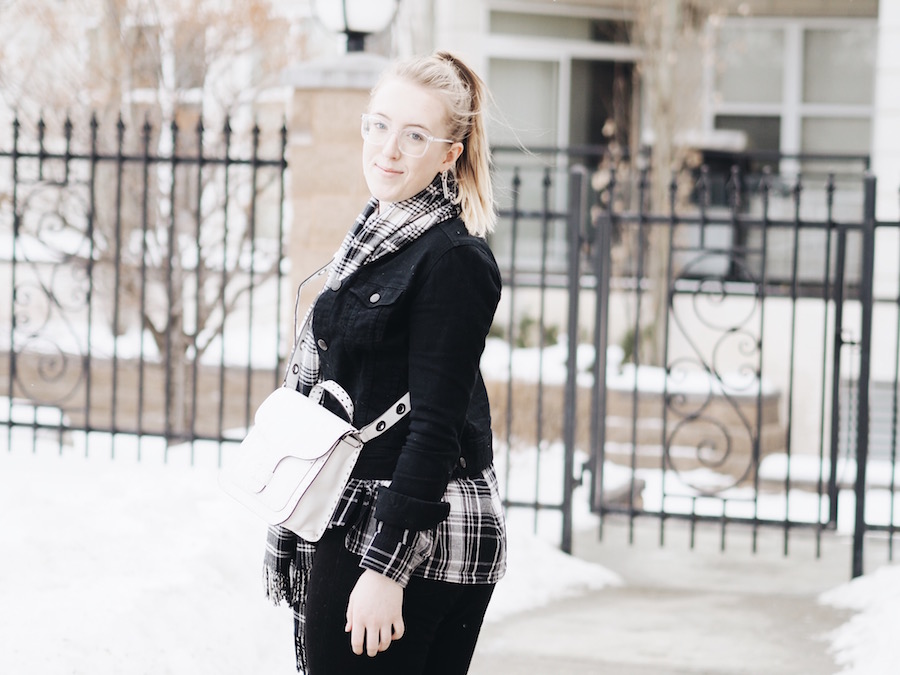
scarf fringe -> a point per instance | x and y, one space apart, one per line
289 589
280 588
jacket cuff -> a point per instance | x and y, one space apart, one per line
408 513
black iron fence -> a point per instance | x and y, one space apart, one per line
714 349
714 352
145 282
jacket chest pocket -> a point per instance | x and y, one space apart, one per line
370 309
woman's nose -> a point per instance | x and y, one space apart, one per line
391 147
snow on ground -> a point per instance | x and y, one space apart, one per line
115 567
866 644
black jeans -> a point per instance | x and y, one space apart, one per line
442 620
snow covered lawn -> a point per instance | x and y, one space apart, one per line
119 568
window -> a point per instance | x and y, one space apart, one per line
798 87
839 66
804 80
530 117
190 56
762 132
750 65
143 49
530 112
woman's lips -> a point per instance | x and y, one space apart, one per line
388 170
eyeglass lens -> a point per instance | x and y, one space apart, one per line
377 131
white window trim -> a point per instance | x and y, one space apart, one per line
556 48
560 9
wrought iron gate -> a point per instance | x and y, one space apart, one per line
722 348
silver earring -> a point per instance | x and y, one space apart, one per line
445 186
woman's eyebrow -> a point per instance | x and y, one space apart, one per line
417 125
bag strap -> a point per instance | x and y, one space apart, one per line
376 427
387 419
292 370
298 329
317 393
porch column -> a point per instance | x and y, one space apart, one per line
326 185
886 142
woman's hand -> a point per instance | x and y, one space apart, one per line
374 613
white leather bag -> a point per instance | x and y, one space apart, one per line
294 463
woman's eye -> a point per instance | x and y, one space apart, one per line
379 125
415 136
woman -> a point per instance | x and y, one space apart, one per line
401 580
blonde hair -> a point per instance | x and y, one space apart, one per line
465 95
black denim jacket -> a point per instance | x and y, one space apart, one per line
416 320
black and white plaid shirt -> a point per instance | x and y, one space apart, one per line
468 547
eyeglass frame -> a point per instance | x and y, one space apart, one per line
428 138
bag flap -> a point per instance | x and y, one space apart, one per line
275 499
298 426
286 425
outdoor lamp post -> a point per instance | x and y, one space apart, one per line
355 18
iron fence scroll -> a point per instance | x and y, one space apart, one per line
145 276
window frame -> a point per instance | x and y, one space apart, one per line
792 110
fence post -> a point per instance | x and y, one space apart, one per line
600 260
578 184
837 350
865 345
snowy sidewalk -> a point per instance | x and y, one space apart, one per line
682 611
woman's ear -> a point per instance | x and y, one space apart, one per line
453 153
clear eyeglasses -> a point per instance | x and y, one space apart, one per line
412 141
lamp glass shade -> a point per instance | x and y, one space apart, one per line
362 16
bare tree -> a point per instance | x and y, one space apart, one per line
673 39
161 77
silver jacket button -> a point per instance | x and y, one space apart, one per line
375 297
322 344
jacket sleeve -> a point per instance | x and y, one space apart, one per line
451 314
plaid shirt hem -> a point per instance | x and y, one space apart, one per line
468 547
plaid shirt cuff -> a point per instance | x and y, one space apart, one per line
396 552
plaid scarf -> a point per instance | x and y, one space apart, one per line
376 233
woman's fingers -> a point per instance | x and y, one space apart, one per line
374 614
377 640
399 630
371 640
